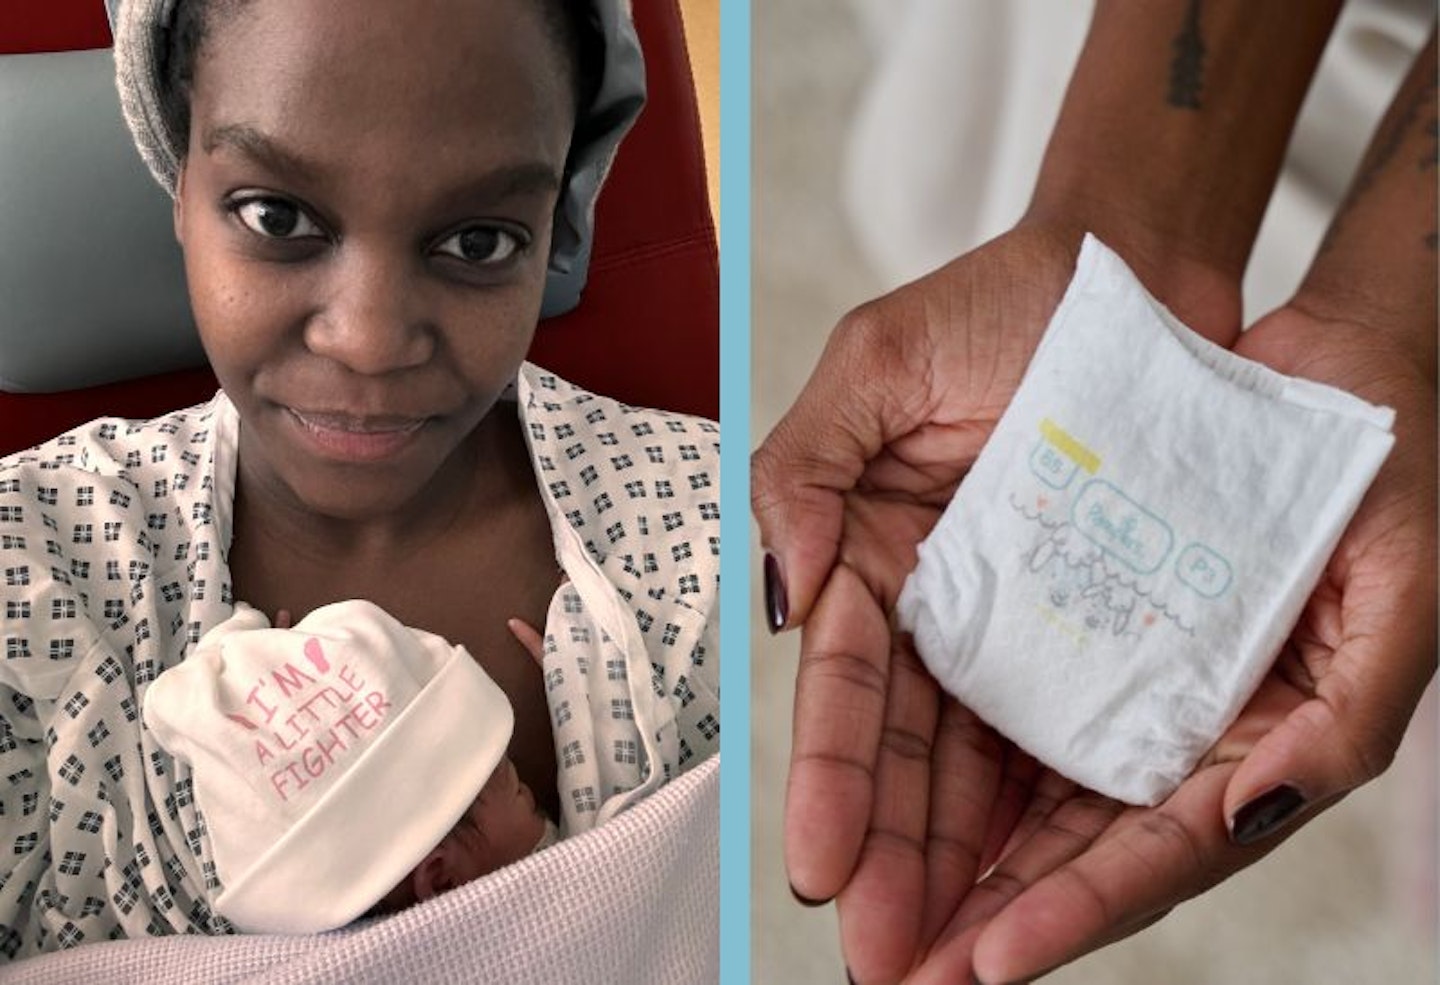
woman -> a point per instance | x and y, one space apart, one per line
367 216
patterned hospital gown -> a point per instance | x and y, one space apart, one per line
113 543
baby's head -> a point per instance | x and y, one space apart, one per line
502 826
346 766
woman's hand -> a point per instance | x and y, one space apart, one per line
1081 871
897 798
900 798
1365 647
853 477
903 798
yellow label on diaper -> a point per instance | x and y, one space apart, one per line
1065 442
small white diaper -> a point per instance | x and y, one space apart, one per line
1136 540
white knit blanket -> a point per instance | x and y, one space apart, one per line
635 900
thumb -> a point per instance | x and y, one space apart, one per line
1332 743
815 455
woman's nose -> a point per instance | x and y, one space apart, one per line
374 319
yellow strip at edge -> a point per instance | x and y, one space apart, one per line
1063 440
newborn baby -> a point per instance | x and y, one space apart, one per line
502 826
348 765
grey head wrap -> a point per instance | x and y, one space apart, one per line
140 28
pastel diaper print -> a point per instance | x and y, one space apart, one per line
1122 527
1051 467
1109 518
1204 570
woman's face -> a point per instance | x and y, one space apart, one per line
365 212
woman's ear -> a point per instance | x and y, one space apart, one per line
179 196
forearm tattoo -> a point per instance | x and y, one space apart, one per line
1391 136
1187 68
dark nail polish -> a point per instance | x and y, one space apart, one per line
849 977
1265 814
777 606
807 901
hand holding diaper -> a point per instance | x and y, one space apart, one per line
1124 560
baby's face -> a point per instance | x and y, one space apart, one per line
502 826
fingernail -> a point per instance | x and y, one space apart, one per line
1265 813
805 900
849 977
777 606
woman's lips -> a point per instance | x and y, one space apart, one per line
356 439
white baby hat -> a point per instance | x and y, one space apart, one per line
1136 540
327 759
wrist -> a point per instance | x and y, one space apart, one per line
1171 136
1377 265
1203 294
1386 347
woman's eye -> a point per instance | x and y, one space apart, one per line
482 245
276 218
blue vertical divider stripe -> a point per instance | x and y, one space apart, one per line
734 490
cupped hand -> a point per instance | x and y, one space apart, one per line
898 797
1365 646
1080 871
